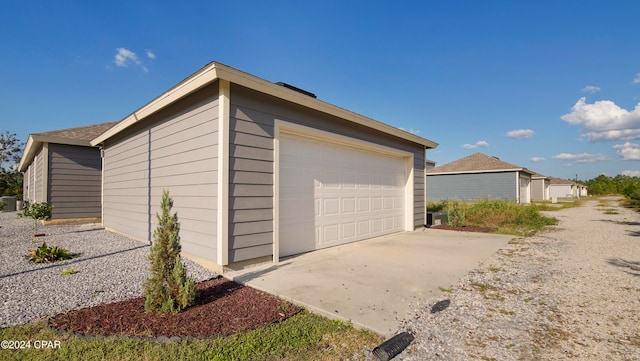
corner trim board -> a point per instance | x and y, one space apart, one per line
222 223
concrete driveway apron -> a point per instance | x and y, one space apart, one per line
375 282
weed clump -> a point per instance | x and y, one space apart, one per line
46 254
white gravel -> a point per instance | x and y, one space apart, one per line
110 267
569 293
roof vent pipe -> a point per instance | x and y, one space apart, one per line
294 88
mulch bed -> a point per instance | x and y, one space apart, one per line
465 229
222 307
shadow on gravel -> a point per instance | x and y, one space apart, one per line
77 259
632 268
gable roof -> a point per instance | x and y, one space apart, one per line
556 181
71 136
216 71
539 176
477 163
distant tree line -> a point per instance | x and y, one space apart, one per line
621 184
10 177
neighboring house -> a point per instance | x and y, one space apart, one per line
63 169
259 170
582 190
540 187
479 176
564 188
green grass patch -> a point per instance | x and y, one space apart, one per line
505 216
304 336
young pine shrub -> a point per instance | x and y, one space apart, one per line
456 211
168 289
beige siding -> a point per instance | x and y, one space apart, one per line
74 185
38 176
26 184
251 165
176 150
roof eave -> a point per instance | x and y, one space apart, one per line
36 140
479 171
215 71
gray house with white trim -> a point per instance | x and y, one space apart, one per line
259 170
564 188
62 168
540 187
479 176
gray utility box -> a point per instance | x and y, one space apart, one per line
437 218
11 203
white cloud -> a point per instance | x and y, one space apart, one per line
150 54
591 89
628 151
580 158
636 80
537 159
520 133
124 57
605 120
631 173
480 143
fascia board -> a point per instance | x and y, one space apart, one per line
477 171
267 87
191 84
220 71
28 154
36 140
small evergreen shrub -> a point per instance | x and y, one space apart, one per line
168 289
456 214
2 205
46 254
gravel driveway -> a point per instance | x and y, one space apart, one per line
110 267
570 293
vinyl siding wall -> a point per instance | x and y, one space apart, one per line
26 183
539 189
75 181
33 181
176 150
561 190
473 186
252 119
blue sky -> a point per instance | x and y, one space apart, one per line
553 86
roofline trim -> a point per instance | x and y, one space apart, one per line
215 71
481 171
36 140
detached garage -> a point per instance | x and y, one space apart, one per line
62 168
259 170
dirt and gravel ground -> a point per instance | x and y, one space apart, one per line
569 293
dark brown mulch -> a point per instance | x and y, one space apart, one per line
465 229
222 307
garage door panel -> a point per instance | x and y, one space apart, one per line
344 194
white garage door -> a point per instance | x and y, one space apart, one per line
331 194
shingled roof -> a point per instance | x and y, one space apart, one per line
476 163
86 133
72 136
554 180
